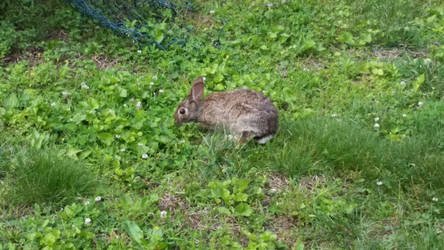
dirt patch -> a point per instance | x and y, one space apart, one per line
194 218
170 202
390 54
17 212
236 229
312 64
201 21
11 57
60 35
277 182
382 229
33 54
283 226
308 183
104 62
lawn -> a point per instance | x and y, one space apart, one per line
90 156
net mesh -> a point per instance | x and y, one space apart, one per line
144 21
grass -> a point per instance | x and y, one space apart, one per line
345 147
44 176
394 18
90 156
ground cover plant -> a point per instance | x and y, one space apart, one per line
90 156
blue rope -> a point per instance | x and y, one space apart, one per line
113 14
217 43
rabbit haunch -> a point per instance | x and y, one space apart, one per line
244 112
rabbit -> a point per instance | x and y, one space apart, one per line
245 113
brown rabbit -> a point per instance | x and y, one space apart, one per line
244 112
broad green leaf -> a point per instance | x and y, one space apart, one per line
11 102
134 231
240 185
379 72
106 138
299 245
419 82
346 37
50 237
224 210
78 118
72 152
240 197
159 36
123 93
243 209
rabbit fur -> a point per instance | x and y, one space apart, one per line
244 112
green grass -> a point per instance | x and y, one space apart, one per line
346 146
44 176
356 163
396 21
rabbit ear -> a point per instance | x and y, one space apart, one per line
197 90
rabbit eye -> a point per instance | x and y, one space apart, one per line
182 111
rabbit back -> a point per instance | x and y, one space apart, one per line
243 111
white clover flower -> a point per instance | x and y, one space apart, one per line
435 199
402 82
161 91
87 221
122 149
404 115
53 104
212 12
376 119
140 144
376 125
125 105
117 136
98 198
204 78
151 83
139 51
139 105
145 156
163 214
334 115
420 104
379 183
86 203
84 86
154 78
